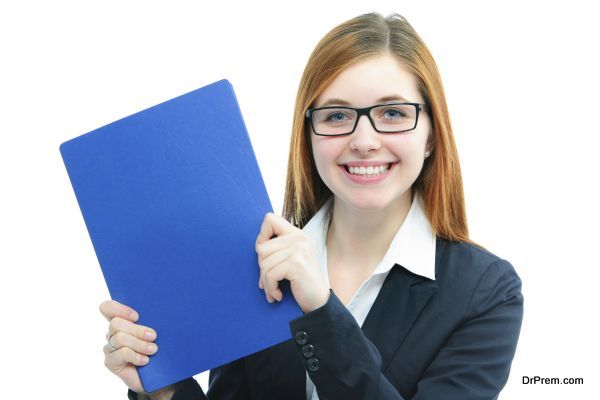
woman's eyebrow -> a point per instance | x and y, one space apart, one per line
341 102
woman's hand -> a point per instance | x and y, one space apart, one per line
289 256
132 343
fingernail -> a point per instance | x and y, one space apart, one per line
152 347
145 359
133 315
149 335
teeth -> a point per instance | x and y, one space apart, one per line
368 171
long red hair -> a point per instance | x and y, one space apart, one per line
440 180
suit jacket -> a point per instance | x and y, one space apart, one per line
452 338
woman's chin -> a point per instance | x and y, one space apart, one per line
371 202
367 204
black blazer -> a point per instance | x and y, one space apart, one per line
452 338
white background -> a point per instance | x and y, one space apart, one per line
522 86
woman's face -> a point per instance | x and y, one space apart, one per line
361 85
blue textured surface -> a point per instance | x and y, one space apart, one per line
173 200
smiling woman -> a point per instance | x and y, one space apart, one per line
374 56
402 146
398 301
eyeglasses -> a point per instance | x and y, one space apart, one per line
385 118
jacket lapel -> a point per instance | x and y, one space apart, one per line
398 305
401 299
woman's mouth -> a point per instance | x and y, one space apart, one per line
367 175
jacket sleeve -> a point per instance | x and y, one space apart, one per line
227 382
472 365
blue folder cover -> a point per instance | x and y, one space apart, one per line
173 200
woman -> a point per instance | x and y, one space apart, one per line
398 302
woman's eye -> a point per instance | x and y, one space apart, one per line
335 117
393 114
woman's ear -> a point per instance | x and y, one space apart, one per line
429 147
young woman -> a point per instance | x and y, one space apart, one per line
398 302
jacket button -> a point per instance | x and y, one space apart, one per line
301 337
313 365
308 350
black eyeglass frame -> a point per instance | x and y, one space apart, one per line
365 111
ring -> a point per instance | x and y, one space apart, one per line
111 345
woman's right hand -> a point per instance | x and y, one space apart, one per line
133 343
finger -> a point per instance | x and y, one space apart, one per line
275 259
123 356
266 229
112 308
267 264
139 331
273 245
273 225
272 278
271 249
107 349
122 339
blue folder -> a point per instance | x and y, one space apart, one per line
173 200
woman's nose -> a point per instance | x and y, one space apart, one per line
365 138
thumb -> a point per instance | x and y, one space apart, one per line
273 225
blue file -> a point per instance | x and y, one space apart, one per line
173 200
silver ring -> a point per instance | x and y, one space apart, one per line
111 345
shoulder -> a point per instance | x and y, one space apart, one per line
468 260
477 275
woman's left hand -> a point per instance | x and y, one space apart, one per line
290 255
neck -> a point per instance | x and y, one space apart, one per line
361 237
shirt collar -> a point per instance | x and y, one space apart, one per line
413 246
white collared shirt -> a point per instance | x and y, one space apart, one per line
413 247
